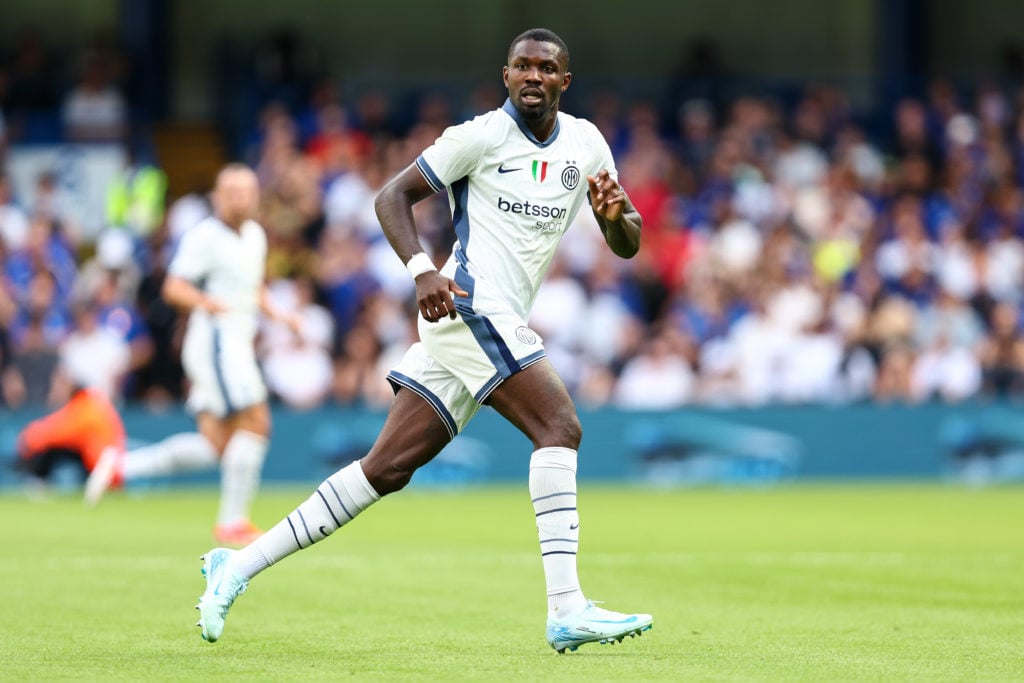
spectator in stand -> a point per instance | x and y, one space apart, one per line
1001 354
894 382
122 317
29 379
696 134
356 368
912 134
40 306
945 371
343 277
53 202
336 148
13 218
297 367
160 382
557 316
811 366
1000 264
114 257
348 205
137 197
775 233
44 251
95 110
291 202
947 320
660 376
93 356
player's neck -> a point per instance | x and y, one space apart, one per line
234 225
543 128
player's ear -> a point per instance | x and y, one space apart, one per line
504 75
566 79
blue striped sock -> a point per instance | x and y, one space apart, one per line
336 502
553 491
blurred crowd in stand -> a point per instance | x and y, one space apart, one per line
790 253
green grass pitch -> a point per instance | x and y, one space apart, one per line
797 583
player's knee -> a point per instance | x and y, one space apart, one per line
263 426
563 430
387 480
574 432
218 440
255 419
385 476
397 480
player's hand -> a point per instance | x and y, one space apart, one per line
434 295
293 321
212 306
607 197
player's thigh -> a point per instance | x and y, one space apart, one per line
412 435
536 401
437 386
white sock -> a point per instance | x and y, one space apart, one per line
337 501
178 453
240 470
553 490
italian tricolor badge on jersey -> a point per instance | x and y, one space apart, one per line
540 170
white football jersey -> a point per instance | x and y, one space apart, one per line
512 197
228 266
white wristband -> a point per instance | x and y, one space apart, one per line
419 263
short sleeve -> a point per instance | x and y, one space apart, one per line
454 154
192 258
602 153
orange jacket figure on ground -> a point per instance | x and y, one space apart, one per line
86 425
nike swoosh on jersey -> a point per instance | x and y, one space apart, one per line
502 169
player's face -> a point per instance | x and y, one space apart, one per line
236 196
536 77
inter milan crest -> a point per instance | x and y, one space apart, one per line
526 335
570 177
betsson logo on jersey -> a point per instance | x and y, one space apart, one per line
556 215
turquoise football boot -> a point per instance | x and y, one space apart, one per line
595 625
222 587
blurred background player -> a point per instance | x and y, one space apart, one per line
217 276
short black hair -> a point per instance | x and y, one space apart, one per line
541 35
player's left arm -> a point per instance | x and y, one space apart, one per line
619 220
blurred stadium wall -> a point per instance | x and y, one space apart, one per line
973 445
183 47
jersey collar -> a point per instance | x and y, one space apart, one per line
510 109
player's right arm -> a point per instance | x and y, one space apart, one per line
183 295
191 263
394 211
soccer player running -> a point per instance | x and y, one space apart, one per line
217 275
516 178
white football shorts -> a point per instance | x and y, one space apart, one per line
223 372
458 363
